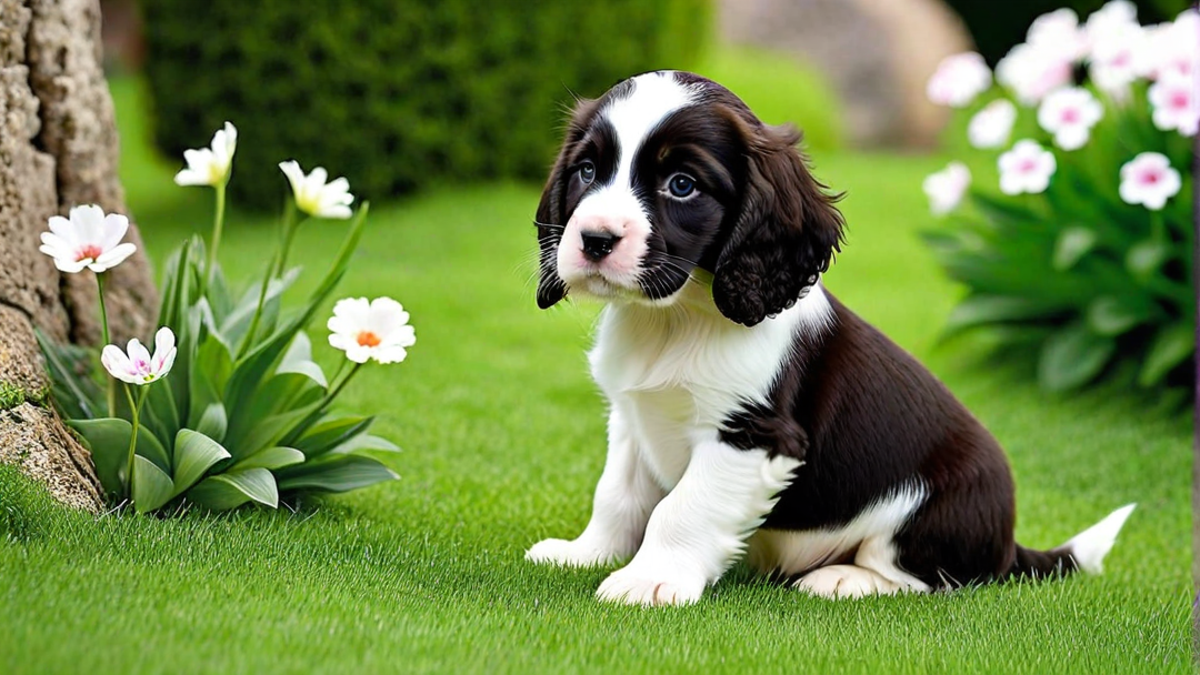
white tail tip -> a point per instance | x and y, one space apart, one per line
1089 547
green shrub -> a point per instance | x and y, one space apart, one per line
398 95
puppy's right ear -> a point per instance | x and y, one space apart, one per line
551 216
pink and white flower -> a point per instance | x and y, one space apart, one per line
314 195
1070 114
991 126
1119 57
1176 101
1174 47
1113 17
959 79
377 329
1032 71
1027 167
1059 30
88 238
210 166
139 367
946 188
1149 180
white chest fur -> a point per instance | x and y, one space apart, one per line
676 373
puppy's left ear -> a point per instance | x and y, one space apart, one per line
785 234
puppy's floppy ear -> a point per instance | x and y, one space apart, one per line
784 235
551 215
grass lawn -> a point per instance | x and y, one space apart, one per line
503 435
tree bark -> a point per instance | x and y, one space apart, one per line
58 149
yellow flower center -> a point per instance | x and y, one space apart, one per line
368 339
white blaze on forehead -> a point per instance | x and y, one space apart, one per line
633 118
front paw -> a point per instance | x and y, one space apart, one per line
576 553
635 585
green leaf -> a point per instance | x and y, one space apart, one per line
237 323
108 440
253 367
151 486
365 442
979 310
1173 345
1144 258
75 393
271 458
298 359
1073 243
195 453
271 414
230 490
328 435
337 473
1073 356
210 373
213 422
1114 315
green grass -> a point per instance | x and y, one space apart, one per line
503 436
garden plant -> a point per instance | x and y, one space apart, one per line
230 408
1070 218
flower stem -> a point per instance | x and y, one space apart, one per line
317 412
289 233
262 298
218 225
338 389
136 407
110 393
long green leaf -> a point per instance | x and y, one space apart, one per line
1073 243
329 434
337 473
981 310
1172 346
1072 357
214 422
365 442
108 440
1114 315
230 490
195 453
151 486
271 458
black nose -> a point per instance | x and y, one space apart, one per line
596 245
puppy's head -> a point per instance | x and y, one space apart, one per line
667 173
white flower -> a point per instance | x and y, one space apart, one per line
1148 179
1176 46
990 127
1113 17
139 367
1059 30
1032 71
1070 114
210 166
1119 57
371 330
316 197
959 79
947 187
1176 101
1026 168
88 239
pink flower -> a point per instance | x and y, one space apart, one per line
990 127
1176 101
1032 71
959 79
1027 167
1070 114
1059 30
1175 47
1149 180
947 187
139 367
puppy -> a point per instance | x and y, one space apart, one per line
750 412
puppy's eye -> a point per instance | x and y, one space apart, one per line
681 185
587 173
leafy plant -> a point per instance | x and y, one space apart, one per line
243 412
1085 252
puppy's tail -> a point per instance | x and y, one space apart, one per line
1085 551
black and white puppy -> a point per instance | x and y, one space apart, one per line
750 411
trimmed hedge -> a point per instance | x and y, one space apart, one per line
397 94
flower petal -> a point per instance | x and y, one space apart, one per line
115 227
114 257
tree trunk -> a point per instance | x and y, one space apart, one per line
58 149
